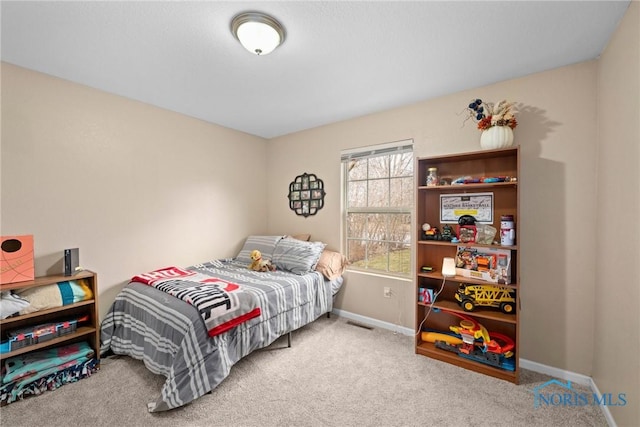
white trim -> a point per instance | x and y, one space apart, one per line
377 147
555 372
562 374
569 376
605 409
373 322
380 274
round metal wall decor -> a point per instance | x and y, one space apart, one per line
306 194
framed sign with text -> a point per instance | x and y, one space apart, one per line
479 205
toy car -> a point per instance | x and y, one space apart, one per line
470 296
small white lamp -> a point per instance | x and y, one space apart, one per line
448 267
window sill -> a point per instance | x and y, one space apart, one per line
379 274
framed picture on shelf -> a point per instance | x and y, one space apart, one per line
478 205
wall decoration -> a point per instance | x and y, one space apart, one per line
479 205
306 194
16 259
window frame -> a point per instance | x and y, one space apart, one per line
398 147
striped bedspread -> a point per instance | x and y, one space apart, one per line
171 337
222 304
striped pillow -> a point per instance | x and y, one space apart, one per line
297 256
265 244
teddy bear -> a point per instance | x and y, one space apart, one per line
259 264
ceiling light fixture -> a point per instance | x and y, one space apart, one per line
258 33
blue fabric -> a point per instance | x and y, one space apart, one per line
66 293
30 364
18 390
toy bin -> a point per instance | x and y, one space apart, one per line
32 335
45 332
20 340
68 327
5 346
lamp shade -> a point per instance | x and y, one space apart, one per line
448 267
260 34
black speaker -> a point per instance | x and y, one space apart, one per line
71 261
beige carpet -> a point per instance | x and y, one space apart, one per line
336 374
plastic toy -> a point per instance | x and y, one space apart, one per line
476 180
477 343
470 296
447 233
432 234
467 233
432 337
425 295
494 179
484 263
467 220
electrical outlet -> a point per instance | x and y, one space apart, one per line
387 292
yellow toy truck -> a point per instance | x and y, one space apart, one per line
471 296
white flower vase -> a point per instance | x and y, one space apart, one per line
496 137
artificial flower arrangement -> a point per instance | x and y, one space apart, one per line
488 114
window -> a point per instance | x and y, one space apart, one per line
378 196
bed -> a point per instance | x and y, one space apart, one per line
172 338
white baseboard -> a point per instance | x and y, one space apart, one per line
524 363
569 376
373 322
605 409
555 372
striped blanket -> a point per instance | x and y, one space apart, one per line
223 305
169 335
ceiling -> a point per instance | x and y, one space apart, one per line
340 59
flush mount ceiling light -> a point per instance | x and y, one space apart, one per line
258 33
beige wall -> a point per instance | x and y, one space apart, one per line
133 186
557 135
617 294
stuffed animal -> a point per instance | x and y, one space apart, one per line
259 264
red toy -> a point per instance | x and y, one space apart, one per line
480 345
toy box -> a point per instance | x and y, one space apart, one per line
68 327
481 263
32 335
20 340
425 295
40 333
16 259
467 233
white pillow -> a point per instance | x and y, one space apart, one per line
297 256
265 244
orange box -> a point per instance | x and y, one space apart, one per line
16 259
